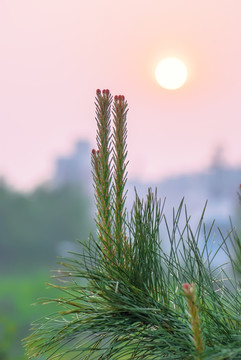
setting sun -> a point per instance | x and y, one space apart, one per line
171 73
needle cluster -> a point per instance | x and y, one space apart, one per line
126 295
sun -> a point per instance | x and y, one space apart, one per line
171 73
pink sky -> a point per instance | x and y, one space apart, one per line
55 53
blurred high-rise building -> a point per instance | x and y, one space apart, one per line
75 169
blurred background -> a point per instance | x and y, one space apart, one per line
54 54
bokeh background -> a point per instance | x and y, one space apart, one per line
53 56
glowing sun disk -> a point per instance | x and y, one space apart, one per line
171 73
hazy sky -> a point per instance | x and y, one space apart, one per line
54 54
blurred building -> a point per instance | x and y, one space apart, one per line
218 185
74 169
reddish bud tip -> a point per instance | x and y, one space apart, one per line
98 92
106 92
98 152
185 286
93 151
119 98
188 287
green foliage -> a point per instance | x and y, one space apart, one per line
32 228
17 293
33 225
236 244
122 296
101 168
120 165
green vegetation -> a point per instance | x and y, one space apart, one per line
17 293
33 227
123 296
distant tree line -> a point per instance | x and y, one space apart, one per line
34 225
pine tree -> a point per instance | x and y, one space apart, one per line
124 297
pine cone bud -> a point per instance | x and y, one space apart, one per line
185 286
119 98
188 288
98 92
106 92
93 151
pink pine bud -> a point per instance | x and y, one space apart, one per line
122 97
116 98
185 286
189 293
106 92
188 288
98 92
93 151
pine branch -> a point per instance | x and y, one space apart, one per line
189 292
120 175
102 175
120 298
